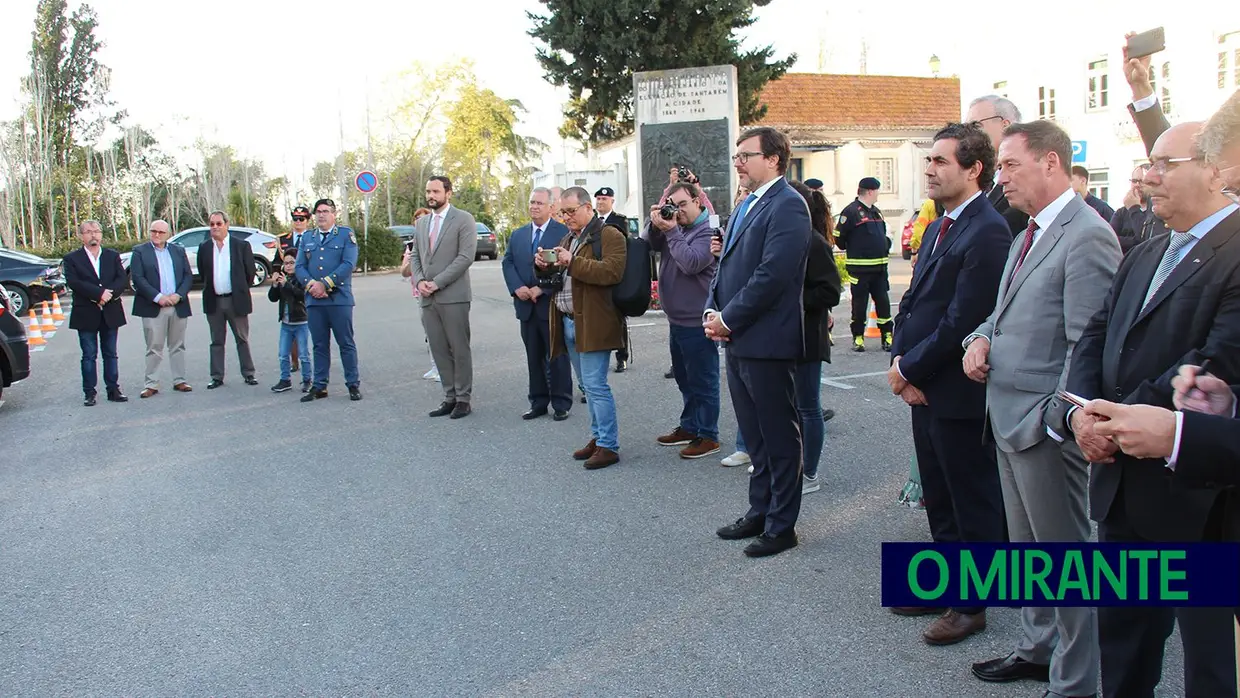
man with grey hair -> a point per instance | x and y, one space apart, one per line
96 277
1219 143
993 114
226 264
161 280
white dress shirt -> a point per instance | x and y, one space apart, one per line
94 260
222 266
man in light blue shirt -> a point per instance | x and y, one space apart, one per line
160 275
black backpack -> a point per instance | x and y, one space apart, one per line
632 295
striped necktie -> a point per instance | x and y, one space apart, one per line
1167 265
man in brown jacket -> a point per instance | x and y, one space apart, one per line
584 322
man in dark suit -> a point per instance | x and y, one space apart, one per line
161 283
551 380
952 292
754 305
1135 222
96 277
994 114
1174 301
227 268
1080 185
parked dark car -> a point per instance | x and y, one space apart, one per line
404 232
14 351
488 246
28 279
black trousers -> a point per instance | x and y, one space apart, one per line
960 481
870 284
1132 640
551 381
764 398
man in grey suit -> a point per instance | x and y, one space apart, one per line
161 279
1057 276
444 245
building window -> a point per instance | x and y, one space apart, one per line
1229 61
1001 88
883 169
1098 97
1099 184
796 168
1046 103
579 182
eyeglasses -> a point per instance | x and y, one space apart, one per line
1159 166
979 122
571 211
742 157
300 218
683 204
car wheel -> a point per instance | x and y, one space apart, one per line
477 257
260 273
18 298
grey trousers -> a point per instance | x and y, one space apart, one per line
240 325
447 328
165 330
1045 497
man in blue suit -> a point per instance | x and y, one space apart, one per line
325 263
952 292
754 306
161 278
551 380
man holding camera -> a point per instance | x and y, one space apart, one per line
680 173
680 229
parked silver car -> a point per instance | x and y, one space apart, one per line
263 244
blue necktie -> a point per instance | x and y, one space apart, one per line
536 239
737 217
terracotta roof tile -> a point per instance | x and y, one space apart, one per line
860 101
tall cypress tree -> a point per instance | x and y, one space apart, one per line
595 46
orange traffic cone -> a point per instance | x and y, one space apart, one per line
871 326
57 314
49 325
34 333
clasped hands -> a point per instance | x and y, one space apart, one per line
528 293
907 392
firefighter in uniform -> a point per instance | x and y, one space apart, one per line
325 263
862 233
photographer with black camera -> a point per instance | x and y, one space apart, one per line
680 229
680 174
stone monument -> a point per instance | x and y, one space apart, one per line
687 117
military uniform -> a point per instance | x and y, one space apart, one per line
330 258
862 233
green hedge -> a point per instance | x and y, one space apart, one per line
382 249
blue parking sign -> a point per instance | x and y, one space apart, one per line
1078 152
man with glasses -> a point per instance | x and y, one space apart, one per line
862 233
289 242
226 264
1135 222
1173 302
686 270
993 114
161 279
325 262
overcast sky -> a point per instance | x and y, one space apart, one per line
210 69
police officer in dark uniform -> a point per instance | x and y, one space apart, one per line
862 233
325 263
290 240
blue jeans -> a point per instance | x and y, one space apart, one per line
695 365
591 370
301 335
808 383
92 344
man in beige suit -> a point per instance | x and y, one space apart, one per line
1058 273
444 245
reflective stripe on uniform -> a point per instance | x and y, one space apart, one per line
872 261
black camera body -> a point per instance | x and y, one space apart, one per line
683 173
668 210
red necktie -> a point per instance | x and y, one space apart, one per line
1024 249
947 224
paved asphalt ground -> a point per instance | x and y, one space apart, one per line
238 542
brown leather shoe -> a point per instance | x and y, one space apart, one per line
699 448
148 393
602 458
586 452
182 388
952 627
917 610
678 437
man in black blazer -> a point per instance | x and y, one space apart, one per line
755 306
96 277
161 280
952 292
994 114
550 380
227 268
1174 301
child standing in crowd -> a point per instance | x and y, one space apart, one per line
288 292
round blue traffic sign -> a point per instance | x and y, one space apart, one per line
366 181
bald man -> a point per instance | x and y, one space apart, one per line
161 277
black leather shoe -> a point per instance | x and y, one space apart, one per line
560 416
622 365
828 414
670 374
443 410
251 380
117 396
1011 668
355 393
89 400
583 399
462 409
314 394
534 414
215 383
742 528
772 545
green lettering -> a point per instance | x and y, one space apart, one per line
1014 581
1102 568
1166 575
1072 576
970 576
1143 558
944 576
1035 576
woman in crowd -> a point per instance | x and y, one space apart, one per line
406 270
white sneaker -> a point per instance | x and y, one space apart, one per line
750 469
431 375
738 458
810 484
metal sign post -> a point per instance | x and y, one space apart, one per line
366 182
